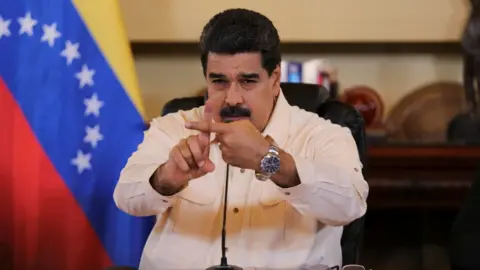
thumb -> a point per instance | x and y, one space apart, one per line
208 166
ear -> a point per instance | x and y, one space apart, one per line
276 77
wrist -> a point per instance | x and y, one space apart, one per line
162 185
262 151
287 176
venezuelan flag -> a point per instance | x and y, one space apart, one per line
70 116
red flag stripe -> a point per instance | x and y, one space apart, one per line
42 224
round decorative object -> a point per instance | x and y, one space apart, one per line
367 101
423 116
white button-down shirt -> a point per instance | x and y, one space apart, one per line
267 226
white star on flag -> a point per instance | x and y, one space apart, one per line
71 51
82 161
85 76
4 25
93 135
26 24
50 33
93 105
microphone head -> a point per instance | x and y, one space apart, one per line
353 267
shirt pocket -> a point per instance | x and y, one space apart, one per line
195 210
192 218
269 214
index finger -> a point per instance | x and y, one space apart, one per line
208 111
207 116
210 104
204 136
207 120
207 128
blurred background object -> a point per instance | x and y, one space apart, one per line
367 101
465 127
370 104
313 71
423 115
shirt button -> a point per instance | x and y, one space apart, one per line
287 193
235 210
242 170
226 249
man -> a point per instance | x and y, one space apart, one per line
294 178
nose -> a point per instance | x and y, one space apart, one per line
233 97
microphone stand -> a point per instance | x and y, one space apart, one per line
223 261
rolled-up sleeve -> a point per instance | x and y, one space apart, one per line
332 187
133 193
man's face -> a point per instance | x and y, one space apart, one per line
239 88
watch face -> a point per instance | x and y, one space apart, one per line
270 164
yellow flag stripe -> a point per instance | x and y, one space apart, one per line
104 20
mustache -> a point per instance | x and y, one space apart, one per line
235 111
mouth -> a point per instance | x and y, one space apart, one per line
233 119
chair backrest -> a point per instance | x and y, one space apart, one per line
305 96
182 104
313 98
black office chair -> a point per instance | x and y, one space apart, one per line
315 99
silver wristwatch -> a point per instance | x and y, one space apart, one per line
270 163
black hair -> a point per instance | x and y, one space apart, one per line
240 30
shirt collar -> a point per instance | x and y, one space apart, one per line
278 125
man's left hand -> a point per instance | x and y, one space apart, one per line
242 145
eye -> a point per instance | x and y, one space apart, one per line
219 81
248 81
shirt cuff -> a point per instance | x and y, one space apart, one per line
306 172
154 196
151 195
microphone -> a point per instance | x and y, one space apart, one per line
353 267
223 260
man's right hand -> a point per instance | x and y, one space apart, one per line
188 160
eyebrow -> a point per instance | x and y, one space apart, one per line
213 75
249 76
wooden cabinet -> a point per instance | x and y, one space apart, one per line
181 21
